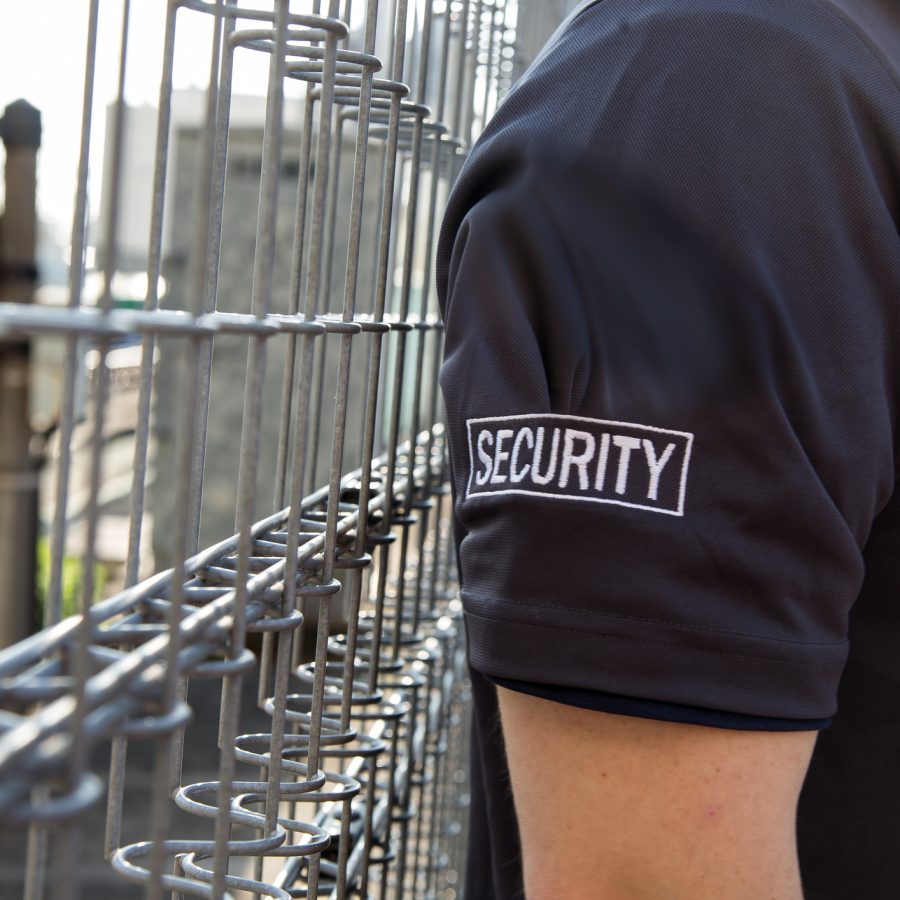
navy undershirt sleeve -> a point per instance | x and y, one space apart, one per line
601 701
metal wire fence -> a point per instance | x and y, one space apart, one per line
333 610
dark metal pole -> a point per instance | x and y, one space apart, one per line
20 129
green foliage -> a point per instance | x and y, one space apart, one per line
72 581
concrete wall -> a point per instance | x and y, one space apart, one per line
537 20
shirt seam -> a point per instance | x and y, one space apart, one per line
646 621
835 13
861 37
622 637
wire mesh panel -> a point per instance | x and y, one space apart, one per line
280 713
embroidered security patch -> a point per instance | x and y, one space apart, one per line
574 458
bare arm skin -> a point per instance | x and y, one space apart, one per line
622 808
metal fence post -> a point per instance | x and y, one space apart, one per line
20 129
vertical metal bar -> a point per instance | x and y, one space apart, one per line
423 773
172 690
415 769
316 391
472 73
151 302
419 366
457 121
332 211
411 235
118 758
441 155
208 234
388 186
351 284
80 661
501 83
342 394
264 260
439 769
371 406
199 349
489 60
287 424
313 287
53 608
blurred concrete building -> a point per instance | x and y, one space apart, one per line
235 274
229 361
139 149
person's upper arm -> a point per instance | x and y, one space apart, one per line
624 808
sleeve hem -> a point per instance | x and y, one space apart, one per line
717 671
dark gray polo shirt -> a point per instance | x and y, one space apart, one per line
670 277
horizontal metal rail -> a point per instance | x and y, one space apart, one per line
338 607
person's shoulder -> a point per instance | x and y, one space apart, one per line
805 16
602 38
824 26
618 63
722 107
610 56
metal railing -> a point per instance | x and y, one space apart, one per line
337 607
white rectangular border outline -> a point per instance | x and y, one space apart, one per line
518 418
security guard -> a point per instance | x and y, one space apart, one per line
670 278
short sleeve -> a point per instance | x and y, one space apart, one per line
670 380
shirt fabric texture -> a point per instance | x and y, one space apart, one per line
670 280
